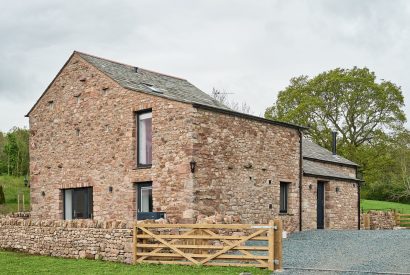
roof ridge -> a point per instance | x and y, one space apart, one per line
128 65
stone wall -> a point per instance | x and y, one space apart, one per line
240 164
103 154
110 241
340 206
379 220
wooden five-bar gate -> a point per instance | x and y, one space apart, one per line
210 244
403 220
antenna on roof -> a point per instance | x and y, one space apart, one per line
222 93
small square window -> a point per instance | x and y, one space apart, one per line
51 104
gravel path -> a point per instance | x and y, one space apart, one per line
369 252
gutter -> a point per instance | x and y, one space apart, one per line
247 116
333 178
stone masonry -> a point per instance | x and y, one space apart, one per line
83 134
341 210
109 241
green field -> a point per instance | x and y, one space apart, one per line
12 186
20 263
367 205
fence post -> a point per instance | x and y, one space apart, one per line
271 244
278 244
366 218
18 202
134 243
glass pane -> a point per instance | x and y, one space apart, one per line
146 199
145 138
80 204
68 204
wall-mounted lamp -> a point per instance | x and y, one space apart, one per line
192 164
43 193
110 189
337 189
310 186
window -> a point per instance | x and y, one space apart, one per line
144 197
78 203
284 188
144 134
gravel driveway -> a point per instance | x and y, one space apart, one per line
348 252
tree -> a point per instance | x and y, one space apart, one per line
347 100
2 198
367 114
3 156
222 98
16 152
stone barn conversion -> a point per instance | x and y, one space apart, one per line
111 141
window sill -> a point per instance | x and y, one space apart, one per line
286 214
142 167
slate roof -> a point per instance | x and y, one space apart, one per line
315 151
150 82
316 168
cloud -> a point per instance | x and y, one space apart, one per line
251 49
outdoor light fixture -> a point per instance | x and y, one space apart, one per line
43 193
310 186
192 164
110 189
337 189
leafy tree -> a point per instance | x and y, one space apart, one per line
2 198
367 114
3 156
347 100
16 152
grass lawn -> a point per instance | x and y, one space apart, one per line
11 187
384 205
20 263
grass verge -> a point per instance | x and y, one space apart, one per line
12 186
21 263
367 205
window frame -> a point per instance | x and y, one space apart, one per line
137 116
90 200
139 186
285 197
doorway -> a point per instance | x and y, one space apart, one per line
320 205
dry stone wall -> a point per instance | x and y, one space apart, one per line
110 241
379 220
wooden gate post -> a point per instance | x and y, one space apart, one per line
271 245
278 244
366 218
134 243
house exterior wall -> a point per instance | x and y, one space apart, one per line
240 164
104 153
87 138
340 206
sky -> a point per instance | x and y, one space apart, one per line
249 49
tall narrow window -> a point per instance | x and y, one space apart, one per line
284 188
144 129
144 197
78 203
